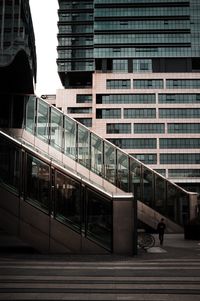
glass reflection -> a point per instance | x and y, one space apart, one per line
43 121
83 146
160 194
70 137
177 204
99 218
96 154
148 191
135 178
172 202
38 182
110 162
56 129
30 114
67 200
122 171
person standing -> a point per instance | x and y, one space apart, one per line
161 230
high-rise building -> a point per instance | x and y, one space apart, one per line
131 71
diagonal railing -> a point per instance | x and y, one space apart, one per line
109 162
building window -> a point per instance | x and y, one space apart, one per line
85 121
179 98
118 128
118 84
179 113
125 98
142 65
148 83
146 158
184 173
137 143
139 113
83 98
120 66
183 128
179 143
180 158
77 110
183 83
108 113
151 128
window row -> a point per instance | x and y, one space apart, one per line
71 29
184 173
179 98
78 110
145 38
159 84
141 12
152 128
145 52
180 158
183 127
147 113
146 158
74 65
138 1
125 98
136 143
77 16
183 83
141 25
76 5
179 143
146 98
73 41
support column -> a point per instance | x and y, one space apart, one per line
124 226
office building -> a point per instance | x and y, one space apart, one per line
131 72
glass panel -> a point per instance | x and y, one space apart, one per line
122 171
83 146
67 200
43 120
9 165
70 137
96 154
135 178
110 162
148 191
160 194
99 219
56 129
38 183
177 204
30 114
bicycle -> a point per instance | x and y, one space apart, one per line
145 240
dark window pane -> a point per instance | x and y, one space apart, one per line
99 219
38 183
67 200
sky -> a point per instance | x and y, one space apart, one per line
44 16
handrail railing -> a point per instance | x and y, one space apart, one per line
107 160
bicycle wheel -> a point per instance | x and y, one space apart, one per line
148 240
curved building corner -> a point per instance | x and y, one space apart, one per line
17 48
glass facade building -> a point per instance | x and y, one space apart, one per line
144 78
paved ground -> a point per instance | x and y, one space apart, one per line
168 274
175 246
